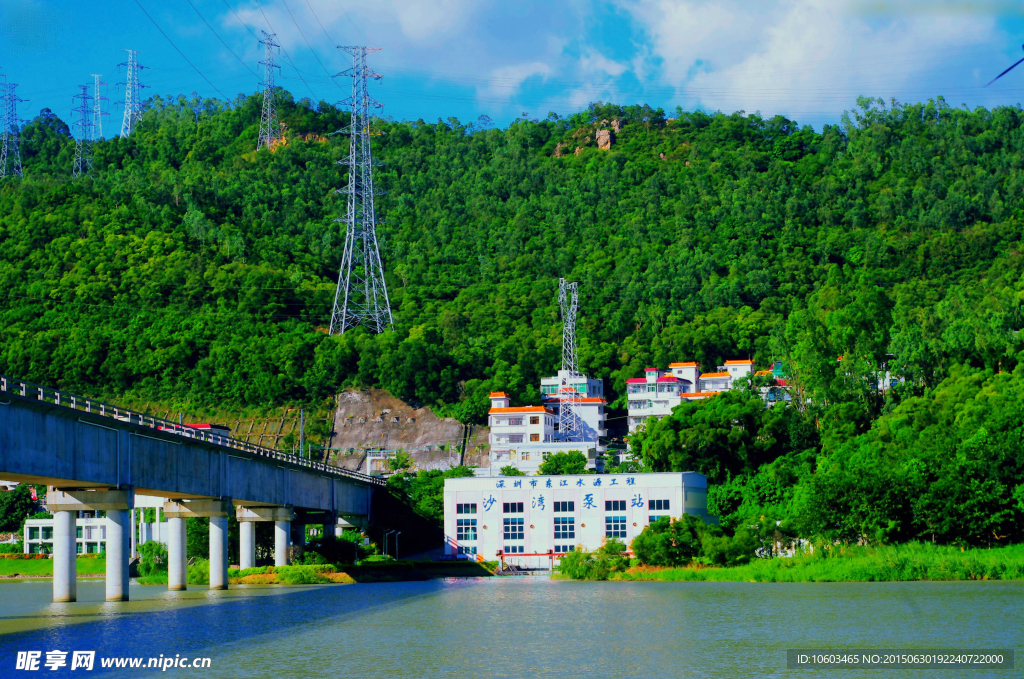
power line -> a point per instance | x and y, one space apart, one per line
283 50
244 25
285 2
178 50
221 39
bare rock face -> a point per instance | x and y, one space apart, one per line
662 156
605 139
617 125
560 149
578 149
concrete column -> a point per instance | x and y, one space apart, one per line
177 559
247 557
282 531
218 552
65 567
118 531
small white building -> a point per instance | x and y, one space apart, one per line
91 535
530 521
659 391
590 406
524 436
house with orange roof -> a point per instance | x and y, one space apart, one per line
523 436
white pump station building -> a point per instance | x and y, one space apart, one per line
530 521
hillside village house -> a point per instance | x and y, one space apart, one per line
659 391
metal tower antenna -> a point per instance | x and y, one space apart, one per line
361 296
4 127
132 92
97 108
270 129
83 133
570 425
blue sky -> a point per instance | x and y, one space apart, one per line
806 59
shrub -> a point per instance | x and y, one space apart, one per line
199 572
10 548
152 558
597 565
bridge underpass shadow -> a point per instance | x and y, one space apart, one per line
236 618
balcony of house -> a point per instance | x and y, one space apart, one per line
640 405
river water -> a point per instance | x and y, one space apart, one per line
513 627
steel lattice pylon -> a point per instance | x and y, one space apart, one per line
270 128
83 133
10 136
362 296
570 425
97 108
132 93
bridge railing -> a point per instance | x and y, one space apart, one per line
37 392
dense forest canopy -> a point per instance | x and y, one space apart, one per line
189 265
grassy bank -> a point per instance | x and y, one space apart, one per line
856 564
399 571
35 568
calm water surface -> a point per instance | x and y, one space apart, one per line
514 627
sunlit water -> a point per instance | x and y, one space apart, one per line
514 627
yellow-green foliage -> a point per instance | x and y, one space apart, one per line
858 564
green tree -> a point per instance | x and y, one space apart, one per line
559 464
509 470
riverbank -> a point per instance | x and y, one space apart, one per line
854 564
88 566
399 571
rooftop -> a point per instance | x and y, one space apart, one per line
520 409
668 378
739 362
688 364
705 375
498 394
554 397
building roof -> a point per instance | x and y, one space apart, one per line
688 364
668 378
705 375
636 380
647 370
520 409
762 373
206 425
739 362
498 394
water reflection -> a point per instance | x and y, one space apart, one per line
513 627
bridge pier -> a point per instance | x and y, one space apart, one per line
282 536
247 518
217 511
65 566
177 558
65 505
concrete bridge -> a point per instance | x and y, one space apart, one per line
94 456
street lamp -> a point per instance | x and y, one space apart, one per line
386 534
396 543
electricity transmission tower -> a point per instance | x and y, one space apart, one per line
270 129
361 296
97 108
10 136
83 133
132 93
570 425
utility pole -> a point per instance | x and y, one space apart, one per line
361 297
570 427
132 93
302 431
97 108
83 133
270 129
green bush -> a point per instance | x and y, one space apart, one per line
597 565
199 572
152 558
688 539
10 548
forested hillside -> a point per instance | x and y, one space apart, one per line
188 265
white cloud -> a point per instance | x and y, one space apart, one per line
799 55
506 80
